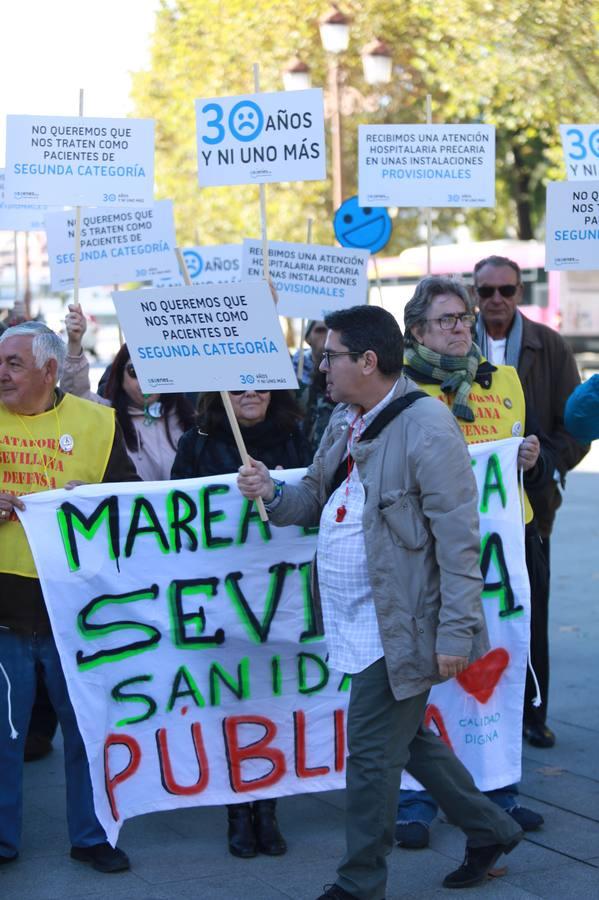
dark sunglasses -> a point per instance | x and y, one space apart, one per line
485 291
130 370
248 391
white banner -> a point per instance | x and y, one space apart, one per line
572 225
260 138
207 338
210 264
311 280
116 245
79 161
479 713
190 644
581 151
426 165
18 216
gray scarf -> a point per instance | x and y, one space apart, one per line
513 343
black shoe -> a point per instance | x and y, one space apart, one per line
411 835
36 747
269 839
103 857
4 860
527 819
241 834
477 864
539 736
334 892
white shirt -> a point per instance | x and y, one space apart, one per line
496 350
350 621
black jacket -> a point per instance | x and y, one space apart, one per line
200 454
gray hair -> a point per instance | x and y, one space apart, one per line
46 344
426 290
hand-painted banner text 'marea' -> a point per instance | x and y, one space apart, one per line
193 652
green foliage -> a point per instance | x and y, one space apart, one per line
522 65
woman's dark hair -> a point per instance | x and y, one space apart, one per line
171 403
283 411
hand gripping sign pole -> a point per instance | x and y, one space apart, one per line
224 395
300 364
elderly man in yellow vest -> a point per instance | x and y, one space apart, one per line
488 404
48 440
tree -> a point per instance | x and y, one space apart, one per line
523 69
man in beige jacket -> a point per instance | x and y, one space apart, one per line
392 489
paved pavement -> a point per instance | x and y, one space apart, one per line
182 854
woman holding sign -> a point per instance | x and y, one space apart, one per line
270 426
488 404
152 424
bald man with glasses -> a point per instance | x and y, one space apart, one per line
548 373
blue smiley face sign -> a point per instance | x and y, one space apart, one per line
362 227
246 120
194 263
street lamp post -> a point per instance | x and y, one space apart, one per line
334 34
377 64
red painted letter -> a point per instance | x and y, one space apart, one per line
130 769
166 769
299 728
260 749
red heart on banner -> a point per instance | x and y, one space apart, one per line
480 679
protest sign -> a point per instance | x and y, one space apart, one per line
310 279
212 338
426 165
127 244
261 138
79 161
19 216
210 264
572 225
479 713
581 151
192 650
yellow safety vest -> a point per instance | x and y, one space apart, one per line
33 458
499 411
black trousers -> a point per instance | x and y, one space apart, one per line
537 563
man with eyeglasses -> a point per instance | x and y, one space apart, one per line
548 373
394 513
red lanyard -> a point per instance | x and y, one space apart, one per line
342 510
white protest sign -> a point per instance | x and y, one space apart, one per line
479 713
210 264
127 244
79 161
581 151
260 138
311 280
19 216
572 225
217 690
211 338
426 165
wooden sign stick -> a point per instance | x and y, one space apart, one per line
300 364
429 215
265 265
77 232
224 395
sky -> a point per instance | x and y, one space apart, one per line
52 48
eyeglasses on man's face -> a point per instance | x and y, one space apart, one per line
449 321
486 291
329 355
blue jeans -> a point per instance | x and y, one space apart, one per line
21 656
420 806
